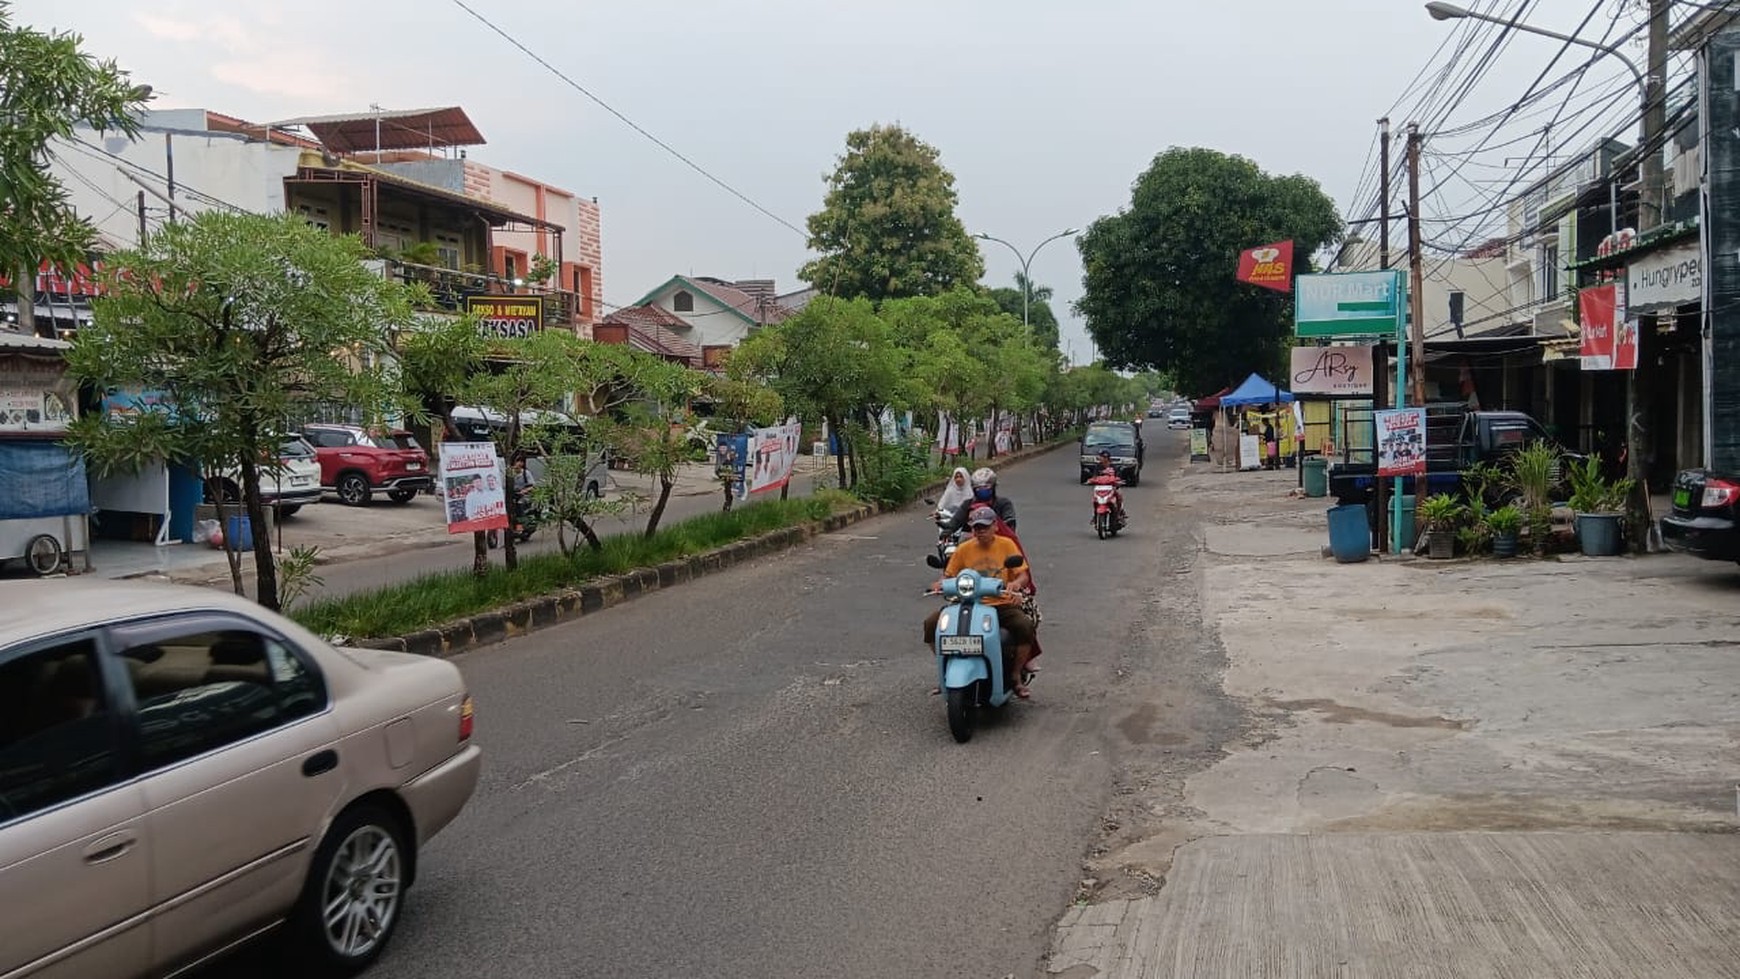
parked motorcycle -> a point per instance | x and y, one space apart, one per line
1109 515
528 515
973 655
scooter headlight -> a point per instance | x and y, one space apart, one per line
965 584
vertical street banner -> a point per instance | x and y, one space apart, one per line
730 462
773 453
1269 266
1608 337
473 489
1401 449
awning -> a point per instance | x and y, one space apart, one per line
399 129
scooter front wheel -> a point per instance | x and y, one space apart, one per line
1103 525
962 706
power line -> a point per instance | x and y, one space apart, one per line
668 148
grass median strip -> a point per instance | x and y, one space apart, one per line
433 599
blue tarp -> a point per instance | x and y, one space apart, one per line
42 479
1254 391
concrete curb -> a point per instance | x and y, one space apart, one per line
544 611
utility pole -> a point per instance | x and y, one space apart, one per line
1416 312
1649 210
142 231
1384 192
169 171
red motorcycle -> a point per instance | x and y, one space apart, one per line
1108 505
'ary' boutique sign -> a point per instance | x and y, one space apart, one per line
1667 278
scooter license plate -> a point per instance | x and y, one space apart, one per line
961 645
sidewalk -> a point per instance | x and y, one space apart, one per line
382 530
1467 768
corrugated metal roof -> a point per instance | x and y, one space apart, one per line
25 343
399 129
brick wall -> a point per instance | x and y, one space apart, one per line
479 181
587 243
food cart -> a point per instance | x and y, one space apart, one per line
45 500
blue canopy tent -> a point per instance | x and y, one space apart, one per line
1255 391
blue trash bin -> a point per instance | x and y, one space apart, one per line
1349 534
239 533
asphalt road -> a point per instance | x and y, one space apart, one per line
748 776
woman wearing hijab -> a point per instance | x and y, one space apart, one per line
957 492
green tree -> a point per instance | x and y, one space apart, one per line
523 379
1040 318
48 86
1158 275
247 324
887 227
436 355
834 361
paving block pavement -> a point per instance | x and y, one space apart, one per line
1517 768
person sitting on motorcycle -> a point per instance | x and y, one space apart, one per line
984 482
985 553
958 492
1110 472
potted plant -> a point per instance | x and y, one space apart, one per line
1533 470
1599 506
1440 514
1504 523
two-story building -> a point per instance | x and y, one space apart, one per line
400 180
697 319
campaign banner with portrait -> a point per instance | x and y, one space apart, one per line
473 488
730 461
773 452
1401 442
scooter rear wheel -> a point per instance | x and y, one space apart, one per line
962 707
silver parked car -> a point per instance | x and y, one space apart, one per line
181 771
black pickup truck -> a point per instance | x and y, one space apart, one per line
1456 438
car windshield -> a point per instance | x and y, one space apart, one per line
1109 440
391 440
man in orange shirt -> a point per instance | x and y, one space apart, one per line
985 553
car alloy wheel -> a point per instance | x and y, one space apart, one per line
359 899
353 490
351 901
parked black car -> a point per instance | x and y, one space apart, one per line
1704 519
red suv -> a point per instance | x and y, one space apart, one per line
357 461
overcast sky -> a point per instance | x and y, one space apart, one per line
1045 112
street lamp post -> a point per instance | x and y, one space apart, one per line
1649 206
1026 263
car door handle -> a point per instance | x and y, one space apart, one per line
320 763
109 847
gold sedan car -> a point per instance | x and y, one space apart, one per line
182 771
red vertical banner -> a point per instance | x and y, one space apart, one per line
1608 337
1269 266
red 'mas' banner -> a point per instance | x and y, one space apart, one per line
1269 266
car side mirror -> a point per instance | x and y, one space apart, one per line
934 561
1012 561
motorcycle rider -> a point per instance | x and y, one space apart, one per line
1107 470
984 481
985 553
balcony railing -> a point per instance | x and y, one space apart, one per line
450 287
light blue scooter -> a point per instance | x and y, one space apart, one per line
970 661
